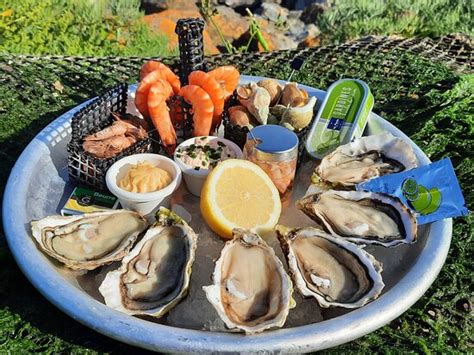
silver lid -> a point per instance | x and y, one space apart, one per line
275 143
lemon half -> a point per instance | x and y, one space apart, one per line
238 193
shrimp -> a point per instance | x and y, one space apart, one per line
228 77
152 65
116 129
160 91
203 109
206 82
141 96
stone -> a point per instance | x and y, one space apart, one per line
164 23
231 24
273 12
312 13
154 6
239 3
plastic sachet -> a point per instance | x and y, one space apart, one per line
432 191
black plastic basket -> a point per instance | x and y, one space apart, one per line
95 116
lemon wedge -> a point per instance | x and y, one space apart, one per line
239 194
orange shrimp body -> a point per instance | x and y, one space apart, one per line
153 65
203 108
141 96
228 77
206 82
160 91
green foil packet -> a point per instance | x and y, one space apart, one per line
431 191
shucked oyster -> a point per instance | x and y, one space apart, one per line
155 276
90 240
251 290
366 158
361 217
335 272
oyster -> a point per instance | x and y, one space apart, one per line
90 240
155 276
256 100
362 217
251 291
366 158
335 272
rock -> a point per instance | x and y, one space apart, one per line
312 13
154 6
231 24
165 22
302 4
273 12
239 3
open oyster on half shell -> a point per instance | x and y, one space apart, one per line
155 276
364 159
335 272
251 290
361 217
88 241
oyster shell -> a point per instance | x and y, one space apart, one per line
88 241
256 100
361 217
155 276
251 290
335 272
366 158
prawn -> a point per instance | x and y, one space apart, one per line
206 82
228 77
202 108
160 91
152 65
141 96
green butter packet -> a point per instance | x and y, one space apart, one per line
431 191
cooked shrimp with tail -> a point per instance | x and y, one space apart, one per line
202 108
228 77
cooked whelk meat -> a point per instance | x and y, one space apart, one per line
251 291
335 272
361 217
90 240
366 158
155 276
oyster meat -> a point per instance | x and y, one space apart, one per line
366 158
155 276
88 241
361 217
335 272
251 291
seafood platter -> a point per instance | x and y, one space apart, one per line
178 235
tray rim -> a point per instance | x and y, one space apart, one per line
153 336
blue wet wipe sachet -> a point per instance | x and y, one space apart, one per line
431 191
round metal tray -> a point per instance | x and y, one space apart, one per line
38 186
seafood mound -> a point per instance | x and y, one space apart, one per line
155 275
251 291
268 101
110 141
364 159
361 217
91 240
335 272
206 93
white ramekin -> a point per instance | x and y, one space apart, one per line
195 178
147 202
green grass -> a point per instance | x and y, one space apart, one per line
426 99
77 27
348 19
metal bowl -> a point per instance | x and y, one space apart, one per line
38 186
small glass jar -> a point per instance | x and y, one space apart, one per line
275 149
